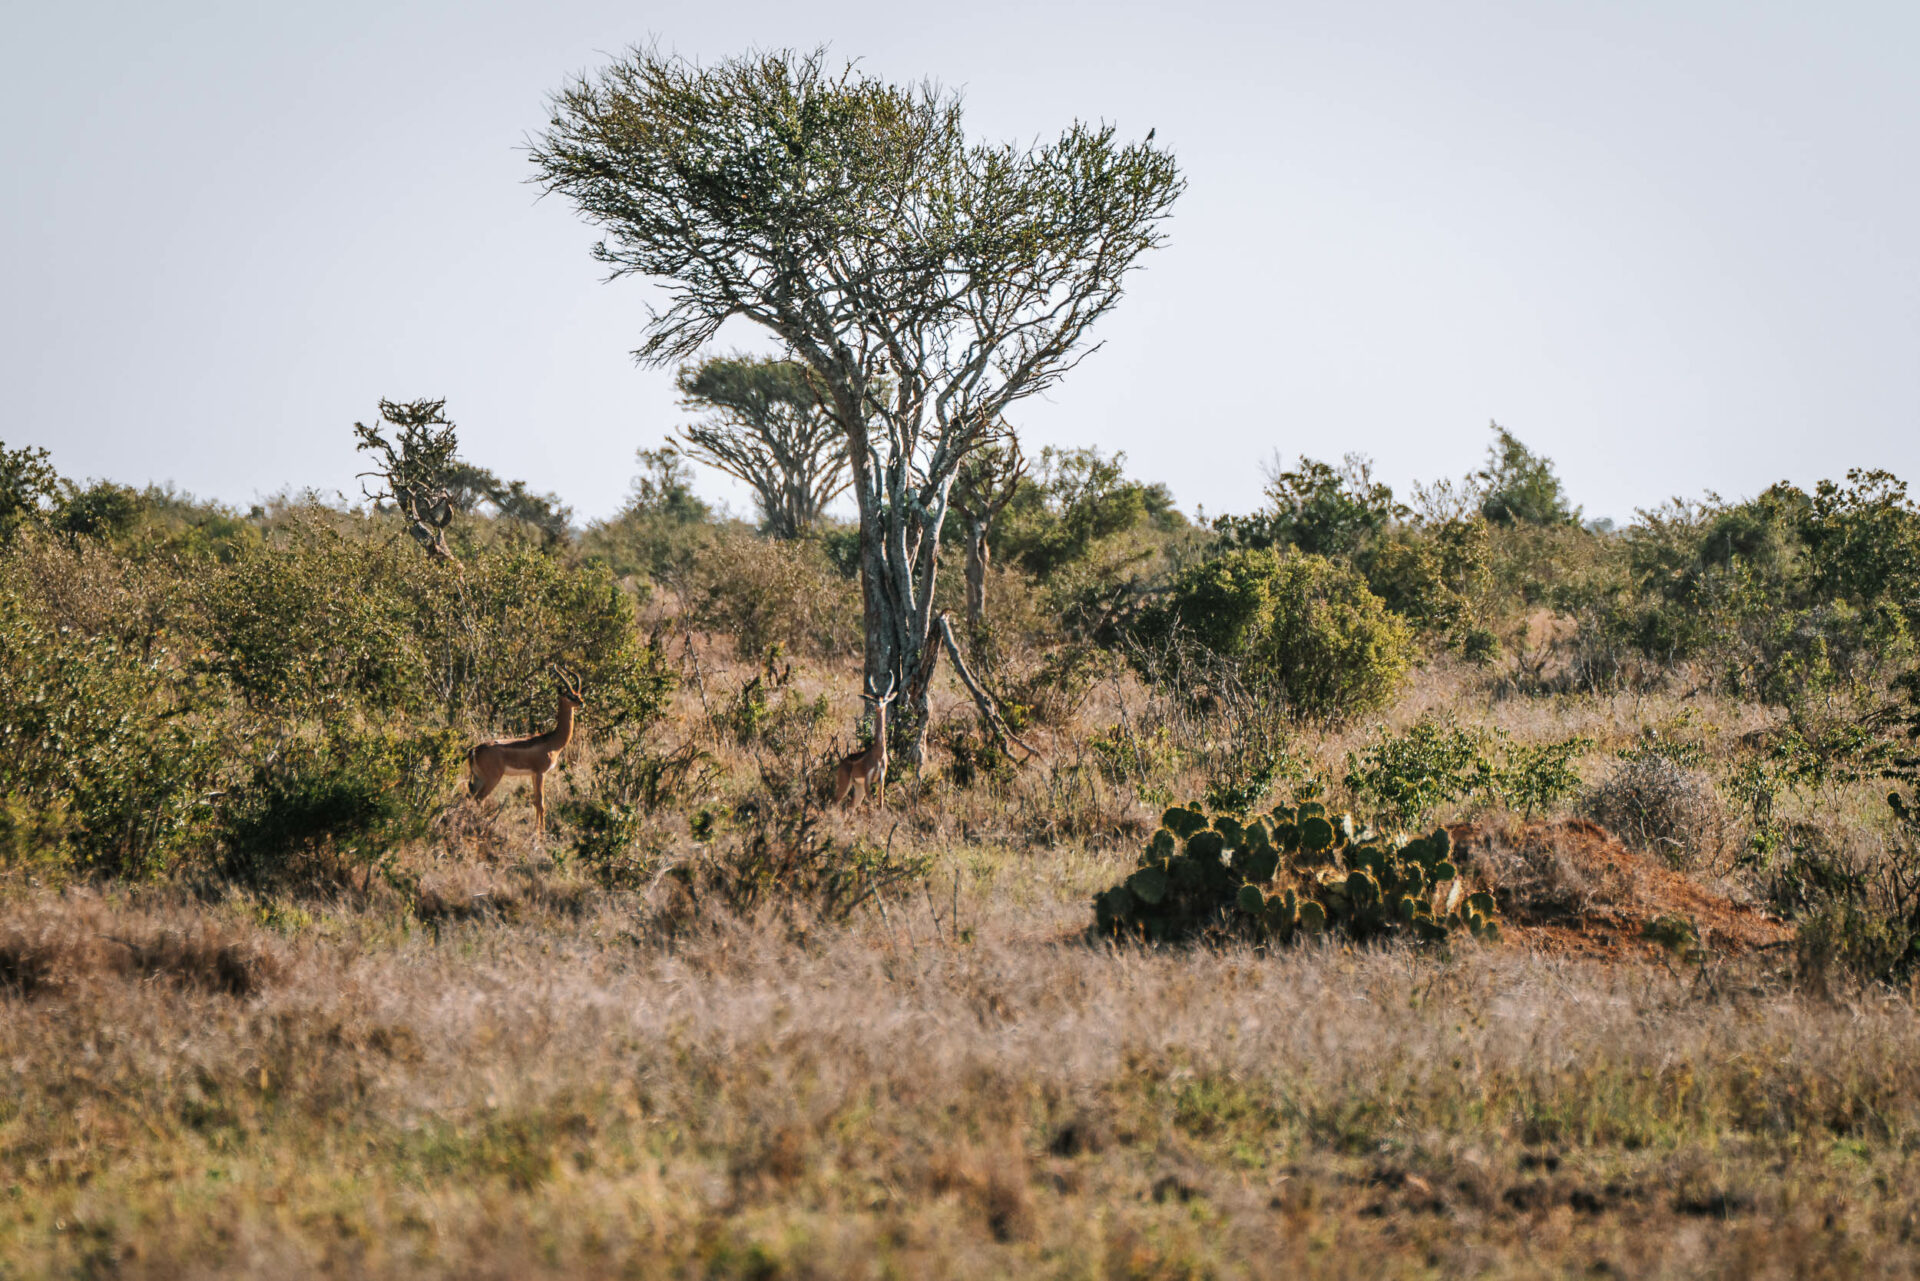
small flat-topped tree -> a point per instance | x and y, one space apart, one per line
925 280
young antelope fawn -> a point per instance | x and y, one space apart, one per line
489 763
866 772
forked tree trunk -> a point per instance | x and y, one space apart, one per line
899 564
979 558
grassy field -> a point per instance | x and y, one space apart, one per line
526 1083
274 1001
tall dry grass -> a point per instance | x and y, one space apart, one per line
954 1086
513 1071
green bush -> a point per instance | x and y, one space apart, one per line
766 592
1786 597
1519 486
664 526
1307 626
1296 873
320 623
312 811
108 769
1318 508
1539 775
1404 778
29 488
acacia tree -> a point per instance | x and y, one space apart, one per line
928 282
983 486
767 426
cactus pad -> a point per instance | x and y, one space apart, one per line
1301 873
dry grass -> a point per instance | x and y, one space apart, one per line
513 1074
955 1088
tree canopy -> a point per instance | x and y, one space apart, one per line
1520 487
766 425
926 280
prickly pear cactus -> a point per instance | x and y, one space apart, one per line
1297 872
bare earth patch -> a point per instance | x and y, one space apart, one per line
1569 888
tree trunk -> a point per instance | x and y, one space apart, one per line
978 558
899 563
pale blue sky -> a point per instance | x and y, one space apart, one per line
1674 245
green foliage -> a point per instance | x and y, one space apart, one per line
1258 755
1303 623
107 769
1405 778
857 221
766 592
1540 775
101 510
1439 577
767 426
1857 918
609 840
1789 597
29 488
1318 508
470 486
1126 753
1293 874
1408 776
321 623
1520 487
415 468
662 527
1074 500
318 810
1807 754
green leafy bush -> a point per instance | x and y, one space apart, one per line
1404 778
108 770
1306 625
664 526
312 811
29 488
767 591
1539 775
1518 486
320 623
1295 873
1786 597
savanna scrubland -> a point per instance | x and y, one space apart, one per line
1373 884
279 1000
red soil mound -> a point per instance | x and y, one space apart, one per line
1571 888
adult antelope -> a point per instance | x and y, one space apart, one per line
489 763
866 772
